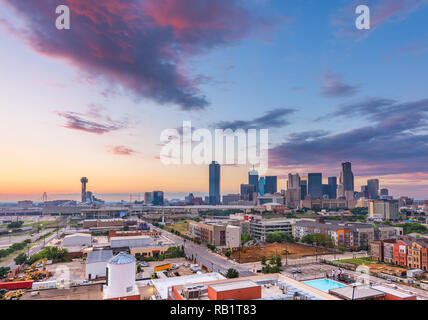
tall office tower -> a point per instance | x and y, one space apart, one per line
293 181
84 181
214 183
373 188
247 192
384 192
332 188
346 182
148 198
325 191
271 185
261 186
315 185
253 178
157 198
293 196
303 188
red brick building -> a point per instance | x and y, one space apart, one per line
401 248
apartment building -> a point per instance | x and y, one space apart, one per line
384 210
417 255
347 234
405 252
210 232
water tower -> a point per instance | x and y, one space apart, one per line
120 278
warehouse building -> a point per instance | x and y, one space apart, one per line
130 242
77 239
96 264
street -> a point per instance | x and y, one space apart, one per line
204 256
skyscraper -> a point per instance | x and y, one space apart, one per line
214 183
253 178
148 198
303 188
247 192
315 185
373 188
261 186
84 181
293 196
157 198
271 184
332 187
346 182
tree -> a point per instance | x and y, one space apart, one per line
4 271
227 253
278 261
15 224
263 260
232 273
138 268
20 259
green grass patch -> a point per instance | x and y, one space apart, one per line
358 261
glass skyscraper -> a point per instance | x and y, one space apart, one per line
346 181
315 185
253 179
214 194
332 188
271 184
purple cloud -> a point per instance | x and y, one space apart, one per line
335 87
139 45
394 141
121 151
76 121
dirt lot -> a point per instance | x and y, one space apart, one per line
295 251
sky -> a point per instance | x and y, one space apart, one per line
93 100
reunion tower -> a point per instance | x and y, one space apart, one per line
84 181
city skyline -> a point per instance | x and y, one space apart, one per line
327 93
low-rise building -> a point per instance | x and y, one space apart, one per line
77 239
233 236
260 228
96 263
384 209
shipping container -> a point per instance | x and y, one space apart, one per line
16 285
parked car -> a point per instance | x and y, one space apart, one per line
143 264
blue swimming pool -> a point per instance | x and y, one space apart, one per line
324 284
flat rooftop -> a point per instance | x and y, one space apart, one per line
227 286
393 292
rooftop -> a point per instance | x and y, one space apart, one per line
357 293
122 258
233 285
99 256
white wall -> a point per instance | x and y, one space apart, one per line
95 269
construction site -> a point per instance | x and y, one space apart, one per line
36 272
291 250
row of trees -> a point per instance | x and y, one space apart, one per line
14 247
413 228
171 253
319 239
279 237
15 224
50 253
